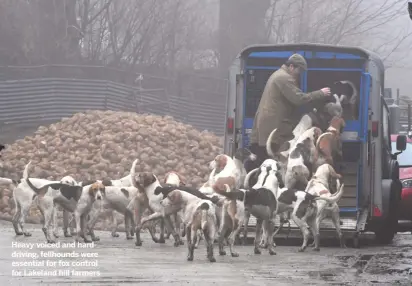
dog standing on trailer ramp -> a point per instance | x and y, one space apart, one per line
319 186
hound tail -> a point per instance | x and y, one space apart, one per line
204 212
26 170
334 198
231 194
132 174
269 144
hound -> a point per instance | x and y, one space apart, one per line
25 192
261 202
147 183
302 159
329 144
198 215
319 186
348 94
117 199
79 201
173 179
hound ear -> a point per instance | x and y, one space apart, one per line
280 180
125 192
181 179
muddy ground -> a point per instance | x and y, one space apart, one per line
120 262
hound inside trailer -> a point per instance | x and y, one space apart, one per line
371 172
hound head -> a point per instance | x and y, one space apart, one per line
174 198
69 180
144 179
97 191
174 178
244 154
219 163
325 172
337 124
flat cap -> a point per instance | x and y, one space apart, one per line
298 60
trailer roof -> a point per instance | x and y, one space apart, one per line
314 47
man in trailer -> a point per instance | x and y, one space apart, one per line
278 107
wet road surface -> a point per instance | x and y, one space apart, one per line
119 261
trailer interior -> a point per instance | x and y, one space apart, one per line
324 68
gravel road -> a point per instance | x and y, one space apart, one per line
114 261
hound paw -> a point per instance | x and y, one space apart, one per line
128 237
161 240
181 242
51 241
138 243
115 234
190 258
85 240
301 249
212 259
272 252
55 235
235 254
27 233
66 234
222 252
96 238
19 233
316 249
257 251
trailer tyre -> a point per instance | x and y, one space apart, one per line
385 233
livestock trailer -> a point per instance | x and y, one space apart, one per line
371 172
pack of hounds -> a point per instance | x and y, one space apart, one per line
299 183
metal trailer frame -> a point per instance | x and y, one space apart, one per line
376 185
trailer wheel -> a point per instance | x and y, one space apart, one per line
385 233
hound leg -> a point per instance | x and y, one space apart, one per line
314 227
16 219
94 217
238 228
258 235
270 226
209 235
224 228
162 231
199 235
336 223
128 224
138 219
48 216
66 224
55 223
190 245
245 225
304 229
176 236
83 227
115 224
22 219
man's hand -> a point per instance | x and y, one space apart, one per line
326 91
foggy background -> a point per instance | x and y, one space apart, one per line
169 56
187 34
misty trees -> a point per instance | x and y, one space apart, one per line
177 34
